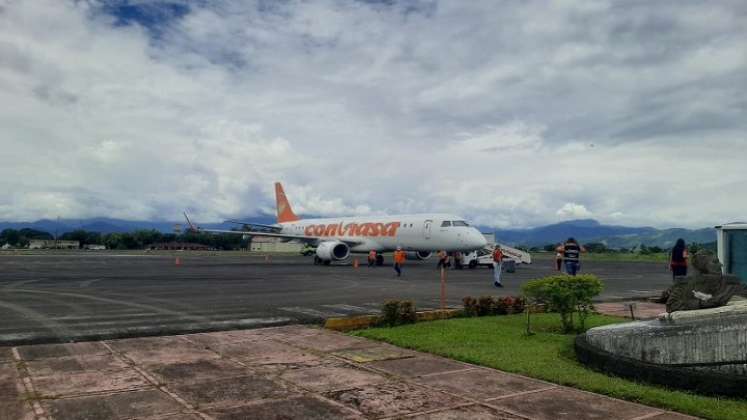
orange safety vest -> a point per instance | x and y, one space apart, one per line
498 255
372 254
399 257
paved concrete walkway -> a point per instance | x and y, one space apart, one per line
641 310
273 373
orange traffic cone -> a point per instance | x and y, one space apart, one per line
355 263
178 261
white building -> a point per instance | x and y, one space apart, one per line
732 249
52 244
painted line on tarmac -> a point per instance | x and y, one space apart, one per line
352 309
310 312
88 283
54 327
19 283
119 302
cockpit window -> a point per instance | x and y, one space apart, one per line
460 223
445 223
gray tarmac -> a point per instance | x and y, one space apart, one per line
79 296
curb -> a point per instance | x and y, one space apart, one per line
345 324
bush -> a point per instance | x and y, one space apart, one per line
485 305
566 295
396 312
518 305
470 306
407 313
503 305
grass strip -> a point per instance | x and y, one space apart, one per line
499 342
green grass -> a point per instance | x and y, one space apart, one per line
499 342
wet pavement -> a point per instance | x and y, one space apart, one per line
291 372
48 297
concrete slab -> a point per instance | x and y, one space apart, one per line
15 410
325 378
266 352
481 384
66 384
373 354
302 408
201 370
232 392
149 403
326 341
9 384
566 403
6 355
472 412
418 366
161 350
74 364
45 351
394 399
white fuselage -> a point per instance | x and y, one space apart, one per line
415 232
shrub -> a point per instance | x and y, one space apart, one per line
398 312
503 305
485 305
390 313
565 295
470 306
407 314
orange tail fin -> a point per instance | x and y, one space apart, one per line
285 213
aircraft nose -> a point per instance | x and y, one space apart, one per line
478 240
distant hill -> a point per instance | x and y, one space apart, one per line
584 230
108 225
588 230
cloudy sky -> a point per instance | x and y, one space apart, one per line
511 113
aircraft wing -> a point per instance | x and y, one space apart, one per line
302 238
255 225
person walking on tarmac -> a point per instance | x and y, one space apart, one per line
571 251
443 258
497 266
558 260
399 259
371 258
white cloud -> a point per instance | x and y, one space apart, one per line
364 108
573 211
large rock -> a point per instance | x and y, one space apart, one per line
706 288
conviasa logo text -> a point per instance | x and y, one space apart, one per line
353 229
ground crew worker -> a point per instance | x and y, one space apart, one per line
497 266
371 257
571 251
399 259
558 260
458 260
443 258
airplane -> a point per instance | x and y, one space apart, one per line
337 238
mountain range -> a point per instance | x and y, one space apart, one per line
588 230
584 230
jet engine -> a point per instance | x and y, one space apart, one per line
332 251
419 255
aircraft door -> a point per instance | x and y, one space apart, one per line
427 229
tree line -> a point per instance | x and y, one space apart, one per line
139 239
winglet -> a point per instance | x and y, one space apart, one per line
192 228
285 213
